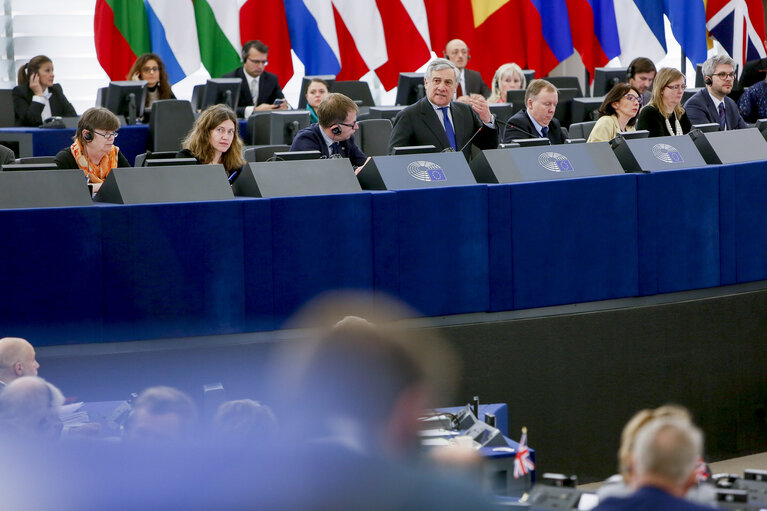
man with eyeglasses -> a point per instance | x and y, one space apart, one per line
260 89
333 135
712 105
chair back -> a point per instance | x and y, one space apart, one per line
169 123
373 136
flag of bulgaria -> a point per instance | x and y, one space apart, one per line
121 33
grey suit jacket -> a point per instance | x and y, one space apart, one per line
700 109
419 124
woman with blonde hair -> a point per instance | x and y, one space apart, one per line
215 138
507 77
664 114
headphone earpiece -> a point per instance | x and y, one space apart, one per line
336 130
708 81
630 71
87 136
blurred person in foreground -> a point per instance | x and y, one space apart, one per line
163 414
29 409
664 460
17 359
355 392
244 421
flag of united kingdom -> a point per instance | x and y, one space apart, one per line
738 25
522 462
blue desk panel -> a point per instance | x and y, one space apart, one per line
678 230
172 270
439 239
319 243
51 274
750 212
572 241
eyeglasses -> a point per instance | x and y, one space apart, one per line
150 69
108 136
256 61
725 76
632 98
679 86
352 125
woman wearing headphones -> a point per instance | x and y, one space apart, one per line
215 138
507 77
93 150
36 97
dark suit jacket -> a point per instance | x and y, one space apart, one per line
268 89
311 139
419 124
527 129
475 84
701 110
29 113
648 499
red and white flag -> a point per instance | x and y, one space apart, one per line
522 462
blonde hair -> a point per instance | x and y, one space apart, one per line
198 139
665 76
506 70
632 427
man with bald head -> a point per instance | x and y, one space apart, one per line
17 359
469 82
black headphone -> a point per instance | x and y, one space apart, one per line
87 136
630 71
708 81
336 130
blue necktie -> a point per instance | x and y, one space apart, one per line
449 128
722 117
545 131
335 148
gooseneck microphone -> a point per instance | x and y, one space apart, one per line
451 150
514 127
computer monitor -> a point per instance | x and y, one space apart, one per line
632 135
295 155
708 127
127 98
276 126
222 90
517 98
29 166
410 88
605 79
165 162
529 75
531 142
414 149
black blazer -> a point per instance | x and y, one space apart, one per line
475 84
650 119
29 113
311 139
65 160
419 124
268 89
527 129
700 109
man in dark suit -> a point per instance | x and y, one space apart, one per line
469 82
537 119
256 81
665 454
438 121
334 133
712 104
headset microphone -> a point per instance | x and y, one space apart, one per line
87 136
336 131
708 81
